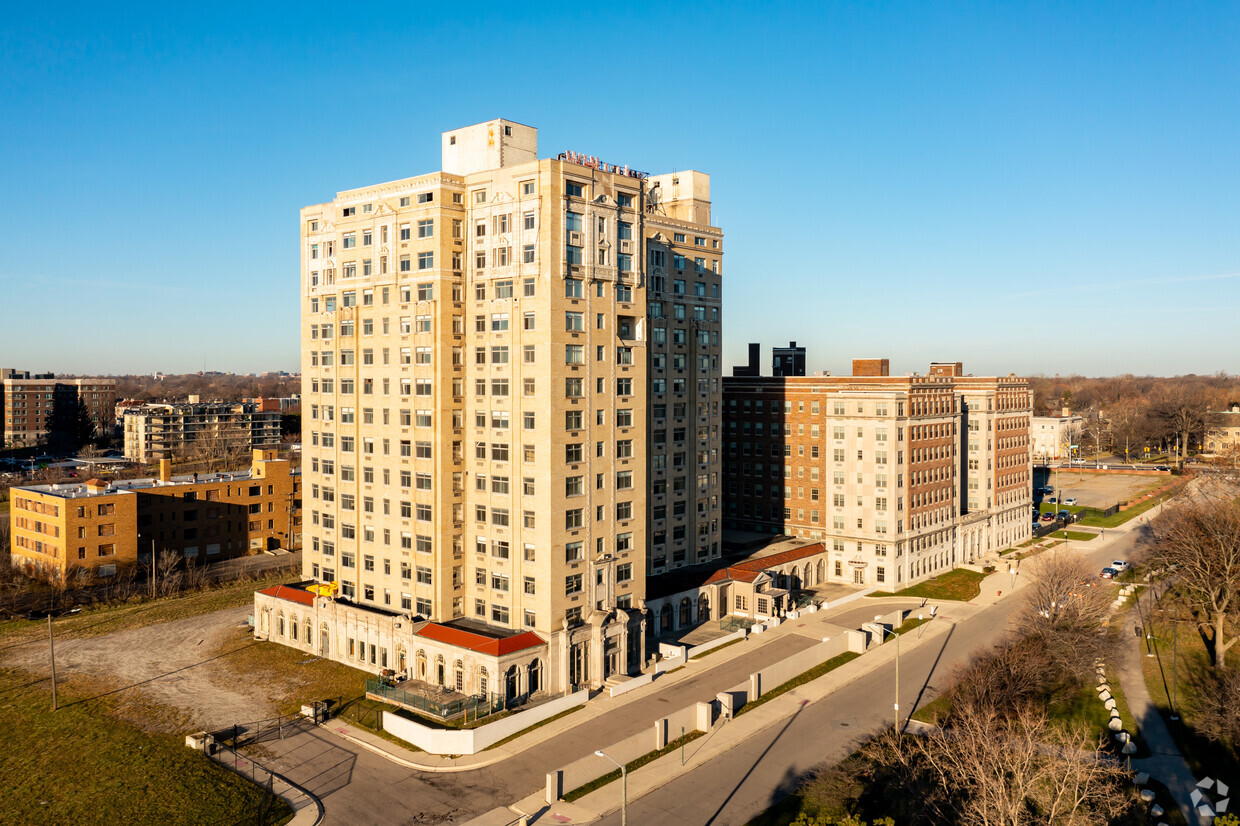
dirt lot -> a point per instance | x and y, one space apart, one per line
1098 490
200 672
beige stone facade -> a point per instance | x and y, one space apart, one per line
511 394
899 476
78 533
27 402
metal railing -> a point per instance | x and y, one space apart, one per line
471 708
267 812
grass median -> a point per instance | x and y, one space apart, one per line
614 774
801 679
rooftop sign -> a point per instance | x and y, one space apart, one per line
594 163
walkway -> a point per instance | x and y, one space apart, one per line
1165 763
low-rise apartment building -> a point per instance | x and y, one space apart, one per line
29 401
1053 437
77 533
167 431
900 476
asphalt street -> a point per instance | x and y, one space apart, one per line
763 770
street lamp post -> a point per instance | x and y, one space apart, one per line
624 788
892 632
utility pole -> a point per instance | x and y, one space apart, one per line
152 569
51 648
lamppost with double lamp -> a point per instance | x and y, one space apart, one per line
624 788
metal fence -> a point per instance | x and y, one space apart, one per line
268 810
472 707
244 734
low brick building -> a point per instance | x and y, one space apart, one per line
76 533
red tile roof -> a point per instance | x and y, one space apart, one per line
477 642
749 570
290 594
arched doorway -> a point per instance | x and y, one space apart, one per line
534 678
665 619
512 684
703 608
264 620
806 576
686 612
822 572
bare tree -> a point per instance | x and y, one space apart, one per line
167 577
1202 539
219 445
1127 425
1011 770
1063 594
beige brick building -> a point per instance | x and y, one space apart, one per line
28 400
510 409
899 476
77 533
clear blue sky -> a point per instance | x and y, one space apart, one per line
1037 188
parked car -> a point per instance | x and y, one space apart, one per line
1052 500
1071 500
1162 467
1064 515
1048 517
1121 565
1108 573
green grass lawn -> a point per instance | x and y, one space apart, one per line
83 765
958 584
1079 536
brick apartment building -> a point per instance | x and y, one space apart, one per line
899 476
84 531
28 402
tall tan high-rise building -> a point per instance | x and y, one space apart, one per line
511 405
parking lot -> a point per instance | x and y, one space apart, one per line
1095 490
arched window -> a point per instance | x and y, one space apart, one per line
703 608
265 620
280 624
309 635
805 577
440 667
822 572
512 683
458 676
292 624
421 661
665 619
534 678
482 682
685 612
325 648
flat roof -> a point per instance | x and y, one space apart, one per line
79 490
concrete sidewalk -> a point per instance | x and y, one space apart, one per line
1165 763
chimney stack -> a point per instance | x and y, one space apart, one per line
165 470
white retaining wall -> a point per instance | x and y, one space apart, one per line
472 741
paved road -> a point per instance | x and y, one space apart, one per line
762 771
358 787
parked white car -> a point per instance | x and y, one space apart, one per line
1120 565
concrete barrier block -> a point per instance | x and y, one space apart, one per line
757 628
755 684
555 786
727 704
196 741
704 717
660 733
